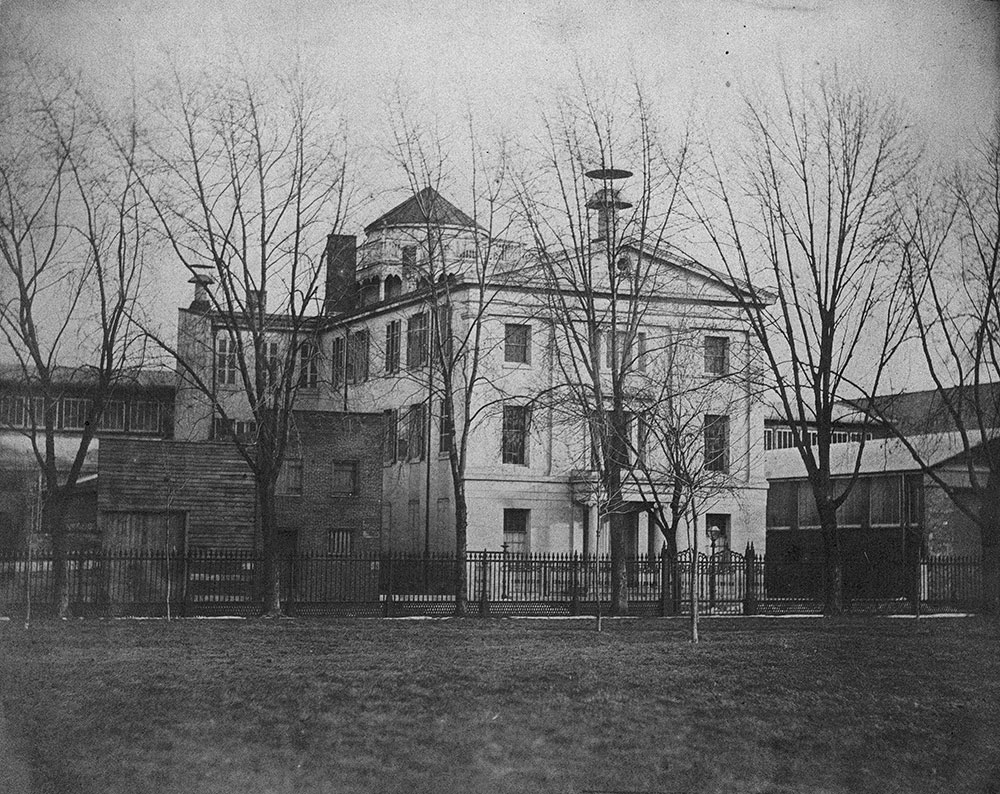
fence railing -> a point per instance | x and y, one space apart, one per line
497 583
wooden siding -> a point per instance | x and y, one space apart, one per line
208 481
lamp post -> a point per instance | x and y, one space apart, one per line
714 533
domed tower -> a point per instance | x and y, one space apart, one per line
421 238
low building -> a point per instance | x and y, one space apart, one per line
141 407
188 495
894 515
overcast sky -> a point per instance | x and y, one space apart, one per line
507 61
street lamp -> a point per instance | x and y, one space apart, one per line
714 533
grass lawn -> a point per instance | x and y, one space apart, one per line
762 705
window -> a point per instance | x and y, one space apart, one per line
308 366
145 416
338 355
225 361
885 501
447 429
14 412
612 347
782 505
514 434
517 344
642 431
38 414
392 347
627 360
593 440
716 355
409 255
783 438
716 443
854 510
416 432
75 411
416 340
290 477
113 416
808 512
390 421
240 430
357 358
272 364
339 542
515 530
443 331
345 478
717 524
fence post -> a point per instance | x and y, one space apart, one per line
484 588
666 589
387 604
574 607
750 581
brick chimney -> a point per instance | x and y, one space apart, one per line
256 301
341 272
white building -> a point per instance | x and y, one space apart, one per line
528 482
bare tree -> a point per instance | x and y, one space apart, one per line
71 247
812 214
951 246
690 449
600 263
248 178
465 273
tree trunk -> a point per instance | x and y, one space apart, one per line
671 546
694 576
271 550
833 568
461 544
989 533
54 525
619 556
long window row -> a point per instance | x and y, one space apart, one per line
72 413
782 437
351 354
227 363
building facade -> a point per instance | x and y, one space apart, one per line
140 407
414 287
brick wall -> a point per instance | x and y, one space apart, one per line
319 439
946 528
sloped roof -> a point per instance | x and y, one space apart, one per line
879 455
16 451
928 409
84 376
427 206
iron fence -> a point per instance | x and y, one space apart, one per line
229 581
